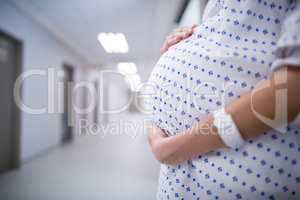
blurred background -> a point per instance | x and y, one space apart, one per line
72 122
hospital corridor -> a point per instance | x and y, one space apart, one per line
69 70
149 99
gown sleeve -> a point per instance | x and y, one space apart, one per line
288 46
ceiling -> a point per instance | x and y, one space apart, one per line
78 22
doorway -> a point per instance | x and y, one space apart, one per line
10 68
67 117
96 109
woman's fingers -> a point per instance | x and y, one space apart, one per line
178 35
169 42
164 48
155 134
194 26
174 39
183 34
183 29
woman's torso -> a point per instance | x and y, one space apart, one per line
226 57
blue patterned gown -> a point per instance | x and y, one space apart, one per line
239 43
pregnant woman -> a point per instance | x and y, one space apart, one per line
226 104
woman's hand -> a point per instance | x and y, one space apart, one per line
178 35
164 147
198 140
156 139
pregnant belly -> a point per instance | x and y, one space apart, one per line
191 81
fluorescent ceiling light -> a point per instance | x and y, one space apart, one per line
127 68
113 42
134 80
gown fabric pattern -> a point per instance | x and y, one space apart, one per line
238 44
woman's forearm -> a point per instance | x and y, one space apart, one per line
200 139
265 100
269 99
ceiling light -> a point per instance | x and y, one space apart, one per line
134 80
113 42
127 68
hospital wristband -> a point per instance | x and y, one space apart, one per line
227 129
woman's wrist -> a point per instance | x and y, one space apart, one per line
207 135
200 139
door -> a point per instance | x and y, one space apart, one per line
9 122
96 109
67 118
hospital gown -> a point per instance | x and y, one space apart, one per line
238 44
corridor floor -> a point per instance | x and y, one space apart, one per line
109 168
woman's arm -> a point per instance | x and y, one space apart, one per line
203 137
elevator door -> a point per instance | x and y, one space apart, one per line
9 58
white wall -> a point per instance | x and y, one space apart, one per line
114 96
41 50
117 96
